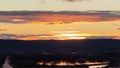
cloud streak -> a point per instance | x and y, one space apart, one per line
3 29
62 17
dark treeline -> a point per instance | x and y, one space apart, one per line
80 46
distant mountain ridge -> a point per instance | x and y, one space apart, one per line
95 45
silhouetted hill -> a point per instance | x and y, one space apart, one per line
93 45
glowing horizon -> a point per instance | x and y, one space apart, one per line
59 19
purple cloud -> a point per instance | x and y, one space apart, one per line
61 17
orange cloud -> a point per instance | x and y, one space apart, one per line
3 29
63 17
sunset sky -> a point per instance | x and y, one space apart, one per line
59 19
60 5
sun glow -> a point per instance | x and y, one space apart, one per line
73 36
55 37
77 38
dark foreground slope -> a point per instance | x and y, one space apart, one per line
96 45
25 54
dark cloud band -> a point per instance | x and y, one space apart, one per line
62 17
